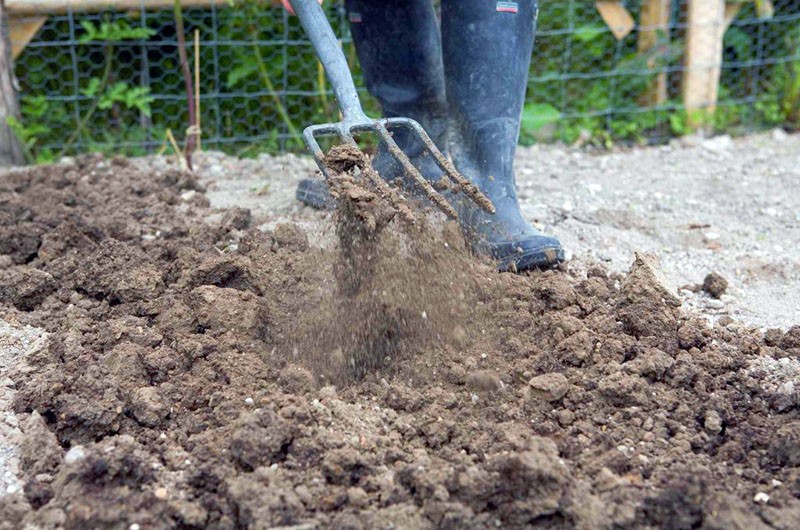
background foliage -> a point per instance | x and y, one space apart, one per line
111 81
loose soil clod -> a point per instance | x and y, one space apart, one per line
715 285
180 384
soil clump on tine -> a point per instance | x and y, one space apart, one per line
198 372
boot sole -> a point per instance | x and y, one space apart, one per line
314 193
544 258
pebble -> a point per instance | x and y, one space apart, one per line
134 526
718 144
715 304
713 422
161 493
75 454
548 387
761 498
188 195
779 135
249 401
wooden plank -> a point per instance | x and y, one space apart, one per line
10 149
22 30
706 26
731 10
616 17
37 7
654 24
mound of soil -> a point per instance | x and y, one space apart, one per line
180 384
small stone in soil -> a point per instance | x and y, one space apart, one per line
484 380
75 454
715 285
548 387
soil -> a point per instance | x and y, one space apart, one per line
703 205
177 382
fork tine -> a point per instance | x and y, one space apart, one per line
401 157
470 189
309 138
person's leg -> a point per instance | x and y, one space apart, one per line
399 49
400 52
487 49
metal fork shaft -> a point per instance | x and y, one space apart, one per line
330 54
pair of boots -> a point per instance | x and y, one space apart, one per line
465 85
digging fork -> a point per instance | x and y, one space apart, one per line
354 120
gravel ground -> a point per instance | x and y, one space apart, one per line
702 205
15 342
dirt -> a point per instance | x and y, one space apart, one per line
715 285
702 204
177 383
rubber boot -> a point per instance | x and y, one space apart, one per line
487 49
399 48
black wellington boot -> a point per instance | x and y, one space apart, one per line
487 48
399 48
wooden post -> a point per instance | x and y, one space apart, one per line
22 30
654 19
706 26
616 17
10 149
41 7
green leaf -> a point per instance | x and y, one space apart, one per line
588 33
92 88
117 30
91 32
244 70
128 96
139 98
537 115
114 94
34 106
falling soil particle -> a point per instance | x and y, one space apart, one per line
184 382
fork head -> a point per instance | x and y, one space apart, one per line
345 130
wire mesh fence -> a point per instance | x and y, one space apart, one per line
636 71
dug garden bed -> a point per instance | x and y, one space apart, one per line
200 372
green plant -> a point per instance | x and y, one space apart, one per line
39 116
535 118
112 31
784 102
32 127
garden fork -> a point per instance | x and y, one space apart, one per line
354 120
